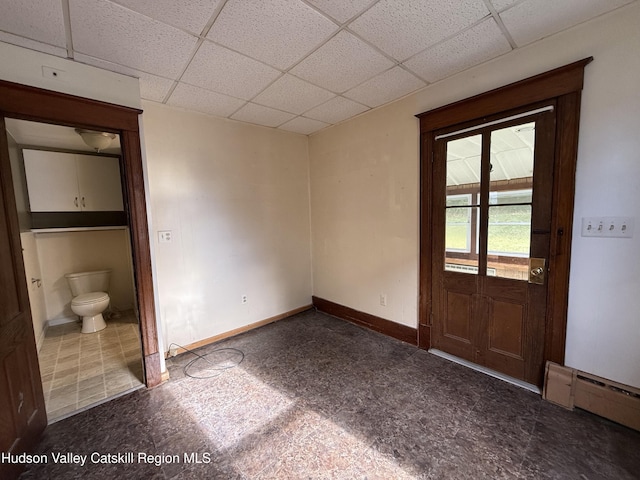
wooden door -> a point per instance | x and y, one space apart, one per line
492 191
22 410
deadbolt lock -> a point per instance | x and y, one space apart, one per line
537 270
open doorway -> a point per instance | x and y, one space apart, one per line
21 398
74 233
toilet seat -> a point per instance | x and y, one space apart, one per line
89 298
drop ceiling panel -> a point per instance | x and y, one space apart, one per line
191 15
471 47
39 20
222 70
277 32
303 125
336 110
342 63
260 115
110 32
385 87
534 19
341 10
500 5
402 28
32 44
152 87
200 100
293 95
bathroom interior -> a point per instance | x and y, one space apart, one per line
78 264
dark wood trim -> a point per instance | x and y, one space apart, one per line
567 127
425 260
551 84
562 85
137 208
31 103
378 324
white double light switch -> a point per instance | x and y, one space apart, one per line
612 227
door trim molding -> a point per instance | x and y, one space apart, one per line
564 85
36 104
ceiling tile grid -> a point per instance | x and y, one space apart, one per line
190 15
204 101
500 5
551 16
40 20
303 125
277 32
341 10
32 44
152 87
472 47
298 65
386 87
293 95
221 70
342 63
336 110
110 32
268 117
402 28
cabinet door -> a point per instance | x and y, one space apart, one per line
51 181
99 183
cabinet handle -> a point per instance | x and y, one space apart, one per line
75 201
83 202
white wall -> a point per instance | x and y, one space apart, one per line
20 65
236 200
365 187
81 251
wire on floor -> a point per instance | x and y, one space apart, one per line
218 367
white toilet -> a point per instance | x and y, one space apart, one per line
90 298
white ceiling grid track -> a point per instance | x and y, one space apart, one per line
297 65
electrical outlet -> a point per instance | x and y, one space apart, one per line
244 299
164 236
173 351
383 299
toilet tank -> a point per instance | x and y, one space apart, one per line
87 282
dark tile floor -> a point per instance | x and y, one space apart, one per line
316 397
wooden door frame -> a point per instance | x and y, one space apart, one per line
36 104
564 85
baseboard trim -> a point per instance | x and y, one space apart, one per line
372 322
237 331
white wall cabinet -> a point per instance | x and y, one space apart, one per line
68 182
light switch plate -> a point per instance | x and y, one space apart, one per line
609 227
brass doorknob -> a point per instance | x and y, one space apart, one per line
536 272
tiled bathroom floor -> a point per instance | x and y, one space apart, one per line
79 370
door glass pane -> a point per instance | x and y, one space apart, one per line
463 185
510 198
